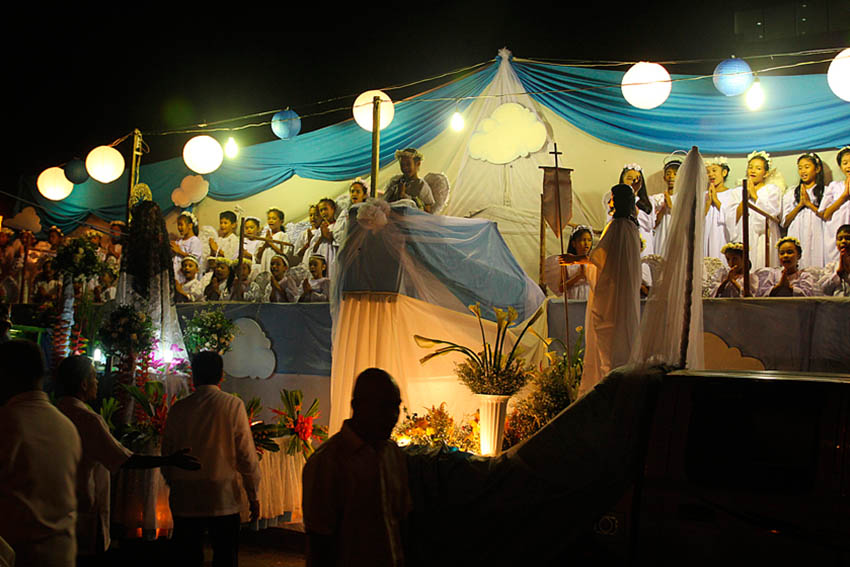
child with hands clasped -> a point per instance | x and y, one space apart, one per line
226 245
731 282
317 287
788 280
274 240
191 288
837 280
188 244
800 210
282 288
835 206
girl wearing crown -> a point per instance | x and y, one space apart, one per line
632 175
187 245
835 206
788 280
765 195
800 213
731 281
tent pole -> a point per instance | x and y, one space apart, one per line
542 247
376 144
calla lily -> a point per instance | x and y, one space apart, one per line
425 342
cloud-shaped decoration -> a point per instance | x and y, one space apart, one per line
512 131
721 356
27 219
192 190
250 354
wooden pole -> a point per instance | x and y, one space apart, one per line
376 144
745 228
135 166
542 247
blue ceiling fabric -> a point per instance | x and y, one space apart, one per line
335 153
800 112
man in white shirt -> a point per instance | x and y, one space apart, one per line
102 454
214 426
39 455
356 496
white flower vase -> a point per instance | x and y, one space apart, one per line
493 410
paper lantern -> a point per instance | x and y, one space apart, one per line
105 164
53 184
646 85
75 171
838 75
203 154
286 124
362 110
755 96
733 76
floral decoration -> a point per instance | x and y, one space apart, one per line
127 332
78 257
209 330
437 427
297 425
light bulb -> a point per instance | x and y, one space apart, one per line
231 148
457 122
755 96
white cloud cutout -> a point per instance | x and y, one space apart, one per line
250 354
512 131
27 219
192 190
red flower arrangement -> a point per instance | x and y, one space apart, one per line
299 426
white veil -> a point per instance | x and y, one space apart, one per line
675 300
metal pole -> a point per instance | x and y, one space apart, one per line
745 228
135 166
376 144
542 246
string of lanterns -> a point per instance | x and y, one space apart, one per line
645 85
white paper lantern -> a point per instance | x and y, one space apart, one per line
203 154
53 184
838 75
362 110
755 96
105 164
646 85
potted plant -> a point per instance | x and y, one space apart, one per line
489 373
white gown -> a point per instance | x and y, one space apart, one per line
840 217
806 227
659 238
716 234
770 201
612 318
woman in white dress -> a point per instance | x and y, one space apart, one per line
835 206
717 200
632 175
612 318
788 280
766 196
800 215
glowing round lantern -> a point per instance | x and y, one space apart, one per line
646 85
203 154
363 106
105 164
838 75
53 184
75 171
733 76
286 124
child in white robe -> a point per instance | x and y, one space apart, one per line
730 282
800 215
788 280
274 239
330 236
835 206
250 243
632 175
663 204
317 287
718 200
219 286
767 197
188 244
836 282
578 276
244 288
226 244
281 287
191 289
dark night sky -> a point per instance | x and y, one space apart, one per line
76 85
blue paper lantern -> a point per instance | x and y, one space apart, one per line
286 124
75 171
733 76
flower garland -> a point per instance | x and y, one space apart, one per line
209 330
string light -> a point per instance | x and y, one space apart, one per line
231 148
755 96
